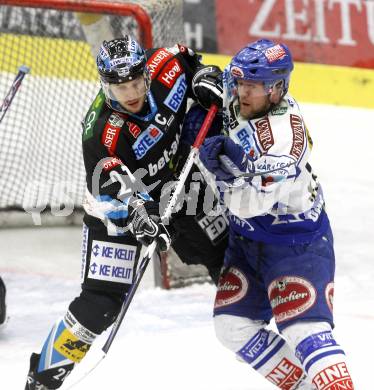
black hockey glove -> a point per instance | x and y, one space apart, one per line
146 224
207 86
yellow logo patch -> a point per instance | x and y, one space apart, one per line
71 347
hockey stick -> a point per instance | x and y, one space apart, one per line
165 217
190 160
152 248
130 295
22 71
232 168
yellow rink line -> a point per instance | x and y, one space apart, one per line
72 60
326 84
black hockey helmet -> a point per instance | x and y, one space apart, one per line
120 60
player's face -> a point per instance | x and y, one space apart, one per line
253 98
130 94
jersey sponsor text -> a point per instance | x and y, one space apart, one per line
176 95
157 60
153 168
298 136
265 134
171 72
146 140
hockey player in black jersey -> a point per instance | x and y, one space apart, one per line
132 147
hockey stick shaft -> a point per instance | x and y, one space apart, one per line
138 277
152 248
22 71
190 160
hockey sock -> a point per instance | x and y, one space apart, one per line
324 361
67 344
264 350
322 357
270 356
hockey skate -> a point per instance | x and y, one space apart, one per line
51 378
32 383
2 303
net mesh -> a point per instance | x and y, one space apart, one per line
40 136
41 166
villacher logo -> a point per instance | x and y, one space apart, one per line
232 287
290 296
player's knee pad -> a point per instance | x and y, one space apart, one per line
299 331
319 353
234 332
96 310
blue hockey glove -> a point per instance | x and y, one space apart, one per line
214 147
194 120
147 226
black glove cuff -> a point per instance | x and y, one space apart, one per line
153 209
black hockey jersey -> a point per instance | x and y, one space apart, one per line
129 156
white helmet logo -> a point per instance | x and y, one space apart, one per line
236 71
123 72
275 53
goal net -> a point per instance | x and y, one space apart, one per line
42 171
40 156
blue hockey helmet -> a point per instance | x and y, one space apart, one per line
118 61
263 60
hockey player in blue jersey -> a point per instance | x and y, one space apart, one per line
280 259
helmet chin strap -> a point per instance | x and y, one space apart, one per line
149 109
146 108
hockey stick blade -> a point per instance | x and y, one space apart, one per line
22 71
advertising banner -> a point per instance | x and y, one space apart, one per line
338 32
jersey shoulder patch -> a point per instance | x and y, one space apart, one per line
157 60
280 109
93 115
112 130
